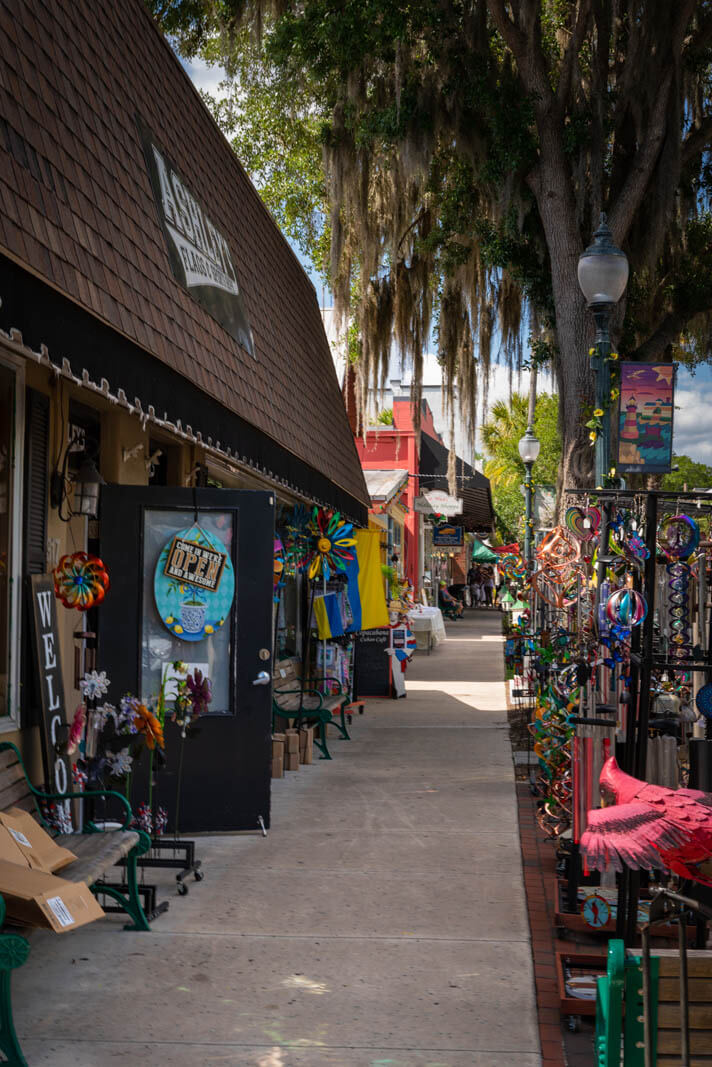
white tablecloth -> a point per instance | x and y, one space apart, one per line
428 624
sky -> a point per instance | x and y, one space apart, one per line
692 433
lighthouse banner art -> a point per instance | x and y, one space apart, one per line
647 404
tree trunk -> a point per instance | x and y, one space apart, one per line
574 324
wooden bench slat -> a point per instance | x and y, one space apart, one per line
12 794
700 990
700 1017
700 1041
7 759
10 775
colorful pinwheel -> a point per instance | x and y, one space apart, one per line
332 540
80 581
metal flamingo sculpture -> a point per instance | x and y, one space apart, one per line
647 826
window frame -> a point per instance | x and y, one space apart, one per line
11 720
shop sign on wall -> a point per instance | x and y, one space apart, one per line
199 254
447 536
194 584
49 673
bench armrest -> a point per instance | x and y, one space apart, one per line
90 795
39 794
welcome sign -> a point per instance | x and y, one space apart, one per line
198 252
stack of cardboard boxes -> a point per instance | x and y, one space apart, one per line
290 749
33 894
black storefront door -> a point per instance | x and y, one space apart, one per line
191 581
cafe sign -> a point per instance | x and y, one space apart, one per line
198 251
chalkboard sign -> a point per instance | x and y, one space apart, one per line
49 668
372 665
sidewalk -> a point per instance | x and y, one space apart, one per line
382 922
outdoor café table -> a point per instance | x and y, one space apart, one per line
428 626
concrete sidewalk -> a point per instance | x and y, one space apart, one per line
382 922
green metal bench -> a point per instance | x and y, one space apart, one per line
96 850
308 706
14 950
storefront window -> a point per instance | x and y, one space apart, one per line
9 560
287 609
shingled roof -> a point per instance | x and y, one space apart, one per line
77 209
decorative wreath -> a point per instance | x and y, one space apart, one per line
80 581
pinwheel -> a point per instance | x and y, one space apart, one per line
80 581
332 541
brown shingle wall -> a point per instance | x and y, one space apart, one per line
76 205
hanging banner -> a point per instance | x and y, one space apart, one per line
194 584
446 536
645 421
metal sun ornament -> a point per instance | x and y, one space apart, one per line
332 541
80 581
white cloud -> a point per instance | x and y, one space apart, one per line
203 76
692 429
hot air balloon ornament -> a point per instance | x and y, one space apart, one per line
332 542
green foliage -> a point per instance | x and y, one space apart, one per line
501 434
275 129
689 475
461 151
385 417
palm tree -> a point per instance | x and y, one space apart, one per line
507 422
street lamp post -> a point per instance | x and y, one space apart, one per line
603 276
529 451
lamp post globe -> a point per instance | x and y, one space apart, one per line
529 447
603 269
603 276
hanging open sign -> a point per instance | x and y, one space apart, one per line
195 564
194 584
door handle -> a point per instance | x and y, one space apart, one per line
262 678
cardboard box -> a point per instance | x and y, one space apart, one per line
292 742
306 745
36 898
277 746
291 761
39 850
278 767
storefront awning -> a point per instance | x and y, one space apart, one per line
472 487
384 485
482 554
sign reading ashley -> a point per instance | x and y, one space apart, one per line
199 253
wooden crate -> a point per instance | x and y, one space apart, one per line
699 972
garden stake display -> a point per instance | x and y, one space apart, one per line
192 699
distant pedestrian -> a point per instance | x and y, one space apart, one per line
488 584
